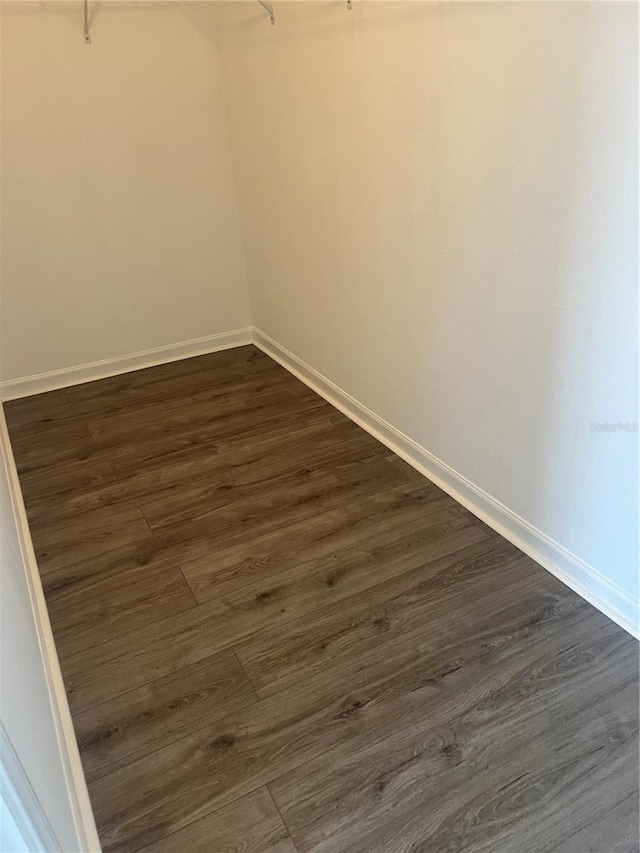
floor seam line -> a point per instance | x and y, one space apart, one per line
146 520
193 595
246 674
213 811
285 824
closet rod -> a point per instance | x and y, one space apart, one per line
87 37
269 9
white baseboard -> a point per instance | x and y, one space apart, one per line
28 385
590 584
584 579
77 794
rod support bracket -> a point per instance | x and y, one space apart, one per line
269 9
85 14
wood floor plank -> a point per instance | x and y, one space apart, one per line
216 382
250 825
324 581
206 411
142 720
47 488
63 542
243 483
26 411
268 739
201 539
144 451
519 799
72 444
193 485
609 828
300 495
101 608
278 637
332 640
50 430
200 371
162 552
267 557
184 638
288 545
233 451
191 447
413 783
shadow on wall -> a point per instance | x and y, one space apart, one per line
120 225
530 244
438 215
436 211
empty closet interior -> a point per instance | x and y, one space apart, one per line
319 370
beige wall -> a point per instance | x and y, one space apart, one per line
439 204
120 228
439 213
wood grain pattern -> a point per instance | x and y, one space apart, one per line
199 632
276 557
362 633
251 825
104 606
447 780
277 637
56 491
605 830
64 541
145 718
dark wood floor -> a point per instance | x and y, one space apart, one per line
276 636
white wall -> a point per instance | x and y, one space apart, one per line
33 709
439 213
439 204
120 227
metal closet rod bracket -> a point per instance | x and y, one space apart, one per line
87 34
85 13
269 9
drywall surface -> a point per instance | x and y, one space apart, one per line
439 206
120 228
25 705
